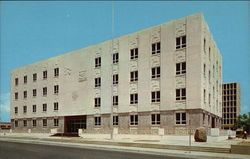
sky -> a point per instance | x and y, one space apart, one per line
34 31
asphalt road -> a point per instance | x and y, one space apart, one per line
15 150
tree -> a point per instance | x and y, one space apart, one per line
243 121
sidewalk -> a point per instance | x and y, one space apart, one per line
166 145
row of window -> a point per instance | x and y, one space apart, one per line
156 49
229 92
232 103
232 109
230 86
155 73
34 92
229 115
229 121
180 118
34 76
34 123
34 108
230 97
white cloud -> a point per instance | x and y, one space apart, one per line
5 102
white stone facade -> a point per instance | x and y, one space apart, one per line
77 73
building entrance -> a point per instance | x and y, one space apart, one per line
73 123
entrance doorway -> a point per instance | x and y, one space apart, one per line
73 123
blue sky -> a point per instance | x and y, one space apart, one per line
34 31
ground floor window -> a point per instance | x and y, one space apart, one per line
97 120
133 119
180 118
155 119
34 122
115 120
25 123
44 122
56 122
16 123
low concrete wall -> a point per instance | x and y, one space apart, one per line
240 149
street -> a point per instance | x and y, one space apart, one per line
15 150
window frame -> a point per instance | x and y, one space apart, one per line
56 72
115 100
180 91
181 42
134 120
115 120
134 98
98 82
180 121
180 68
156 48
115 58
134 53
156 72
155 119
155 97
115 79
98 121
134 76
97 101
98 62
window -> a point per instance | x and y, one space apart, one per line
181 94
213 70
34 122
44 122
25 123
25 79
16 95
24 109
134 53
209 54
56 72
181 42
98 62
16 110
115 120
115 100
98 82
133 119
34 92
115 58
34 108
156 48
204 70
45 75
209 99
56 89
155 97
155 119
16 123
34 77
203 121
44 107
97 102
24 94
56 122
209 76
115 79
133 76
97 120
133 98
156 72
204 95
16 81
56 106
44 91
180 68
180 118
204 45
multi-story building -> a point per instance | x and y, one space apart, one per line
167 76
230 104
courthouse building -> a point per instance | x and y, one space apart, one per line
230 104
167 76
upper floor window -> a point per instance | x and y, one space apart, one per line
155 97
34 108
181 68
98 82
115 120
97 102
24 109
44 107
156 72
34 92
16 81
25 79
181 42
133 76
24 94
98 62
133 119
180 118
115 58
156 48
98 120
204 95
56 89
134 98
115 79
134 53
56 72
44 91
204 45
56 122
45 74
115 100
204 70
16 95
209 54
181 94
34 77
56 106
16 110
155 119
